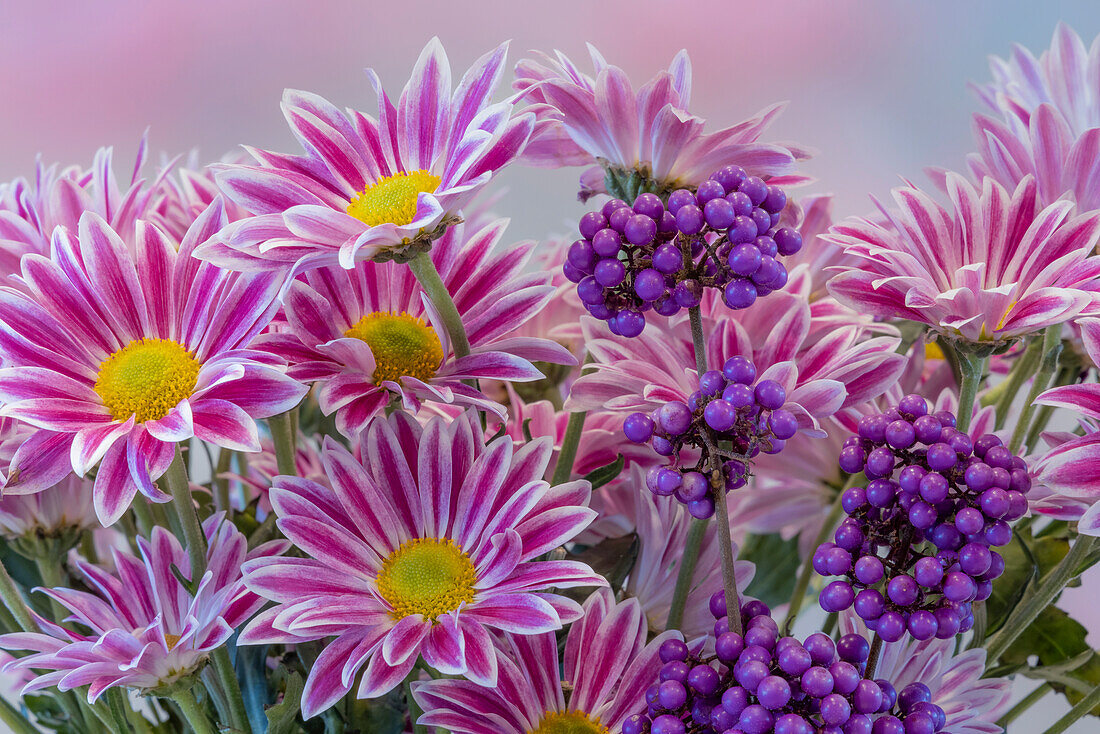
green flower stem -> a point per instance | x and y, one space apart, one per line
807 571
1051 350
116 704
688 560
872 659
698 340
1035 602
13 600
1023 369
193 537
570 442
1083 707
192 712
424 269
725 550
238 714
220 481
1023 705
569 445
143 516
180 489
52 572
14 719
282 435
972 367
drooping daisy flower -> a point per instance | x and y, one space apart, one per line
146 629
367 186
418 550
606 668
994 266
1051 121
369 334
973 704
117 355
31 210
820 372
1069 474
603 121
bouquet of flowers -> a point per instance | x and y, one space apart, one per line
300 443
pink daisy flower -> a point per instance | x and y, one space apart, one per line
605 124
418 551
1069 474
31 210
993 267
607 666
117 355
1051 128
146 629
821 369
369 334
367 186
973 704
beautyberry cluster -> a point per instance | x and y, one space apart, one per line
916 546
653 256
763 682
731 418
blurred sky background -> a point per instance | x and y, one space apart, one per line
878 88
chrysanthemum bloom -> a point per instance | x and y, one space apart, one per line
1069 474
31 210
146 629
607 666
1051 121
838 367
117 355
367 186
973 704
603 121
419 550
993 267
369 334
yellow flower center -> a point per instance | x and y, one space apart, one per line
392 199
932 351
569 722
172 641
146 379
428 576
402 345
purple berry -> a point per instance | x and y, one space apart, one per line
638 427
770 394
649 285
740 293
689 219
591 223
640 229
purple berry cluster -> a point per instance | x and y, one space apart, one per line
916 546
763 682
730 419
653 256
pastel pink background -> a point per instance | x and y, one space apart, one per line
879 88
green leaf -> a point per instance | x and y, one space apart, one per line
612 558
1065 659
606 473
282 716
777 565
385 715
